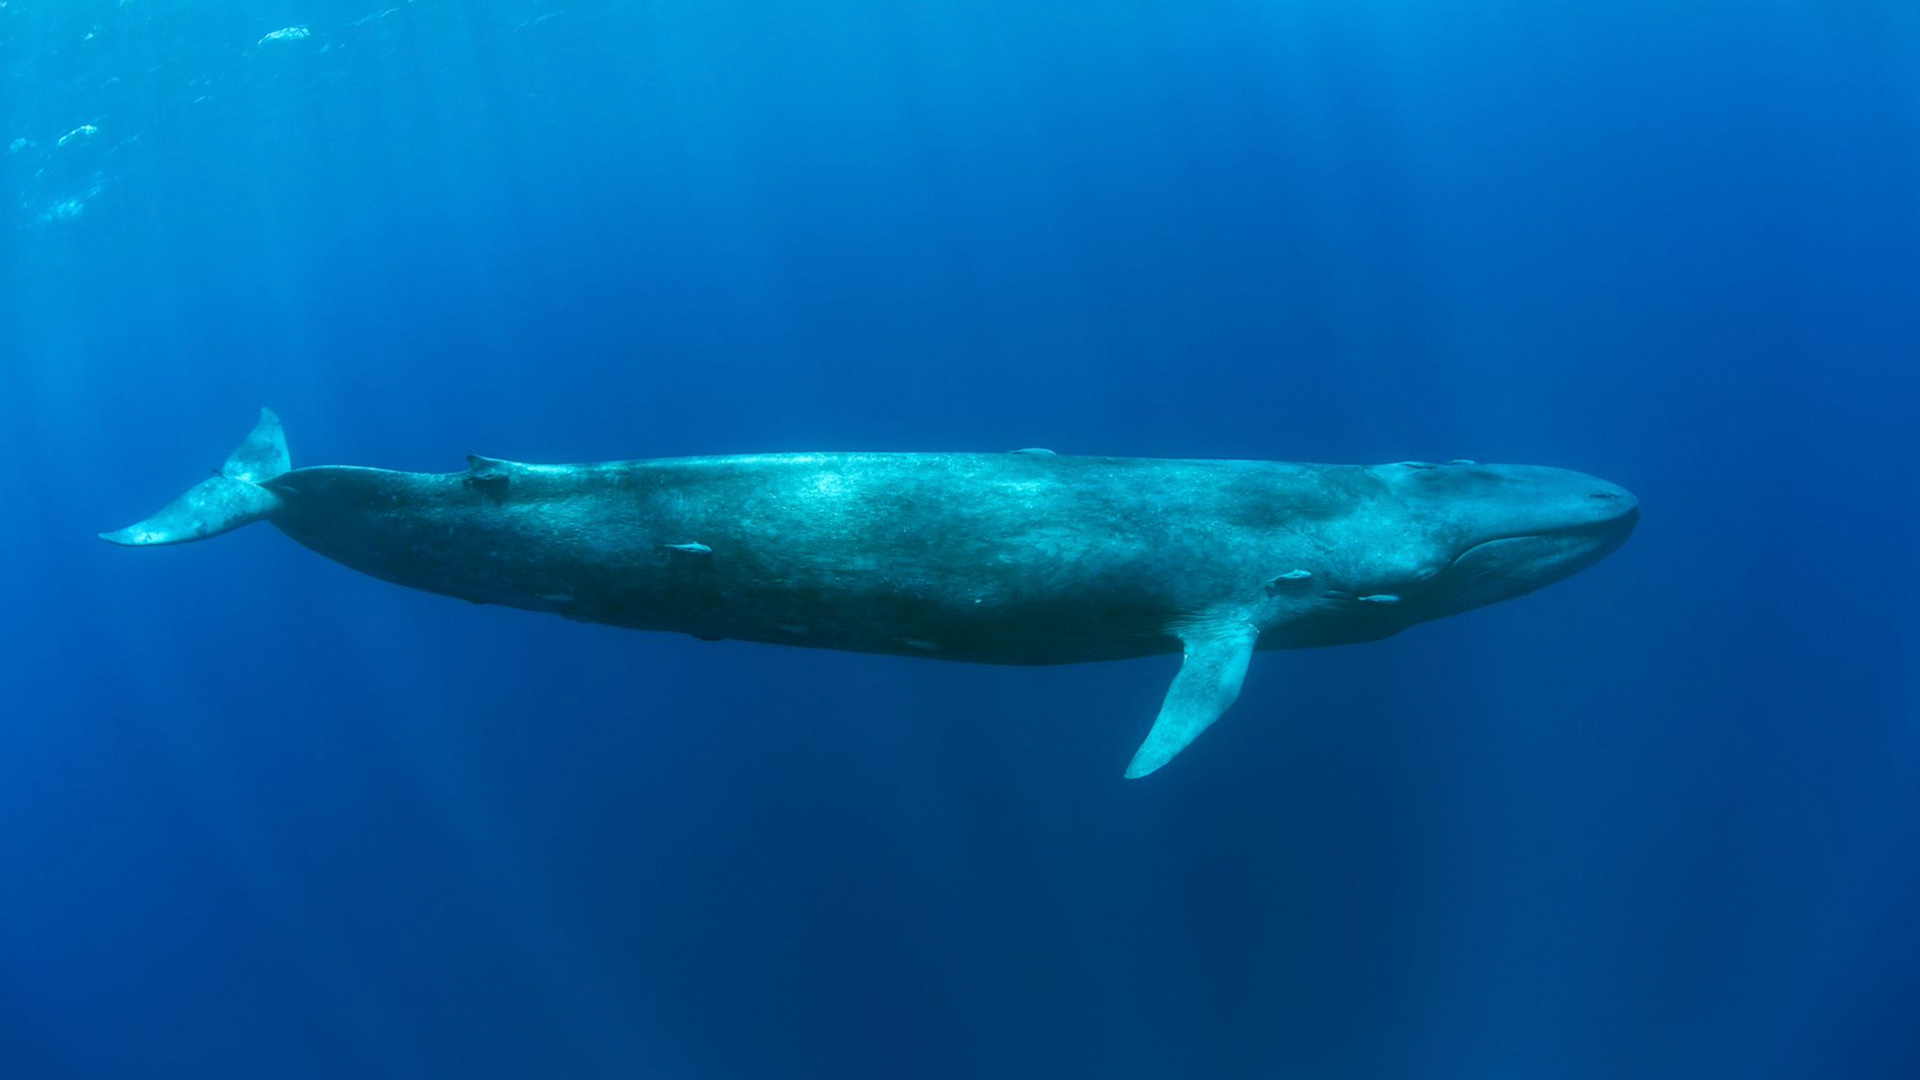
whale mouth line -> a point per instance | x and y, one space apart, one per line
1593 528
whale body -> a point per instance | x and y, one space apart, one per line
1027 557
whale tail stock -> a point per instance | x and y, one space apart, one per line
224 501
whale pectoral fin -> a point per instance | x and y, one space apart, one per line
1209 681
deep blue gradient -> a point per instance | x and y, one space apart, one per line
262 817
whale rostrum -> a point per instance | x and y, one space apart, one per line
1028 557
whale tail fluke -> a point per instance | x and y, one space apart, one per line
223 502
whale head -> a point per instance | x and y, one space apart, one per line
1403 544
1501 531
1481 534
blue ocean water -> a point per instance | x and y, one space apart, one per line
260 816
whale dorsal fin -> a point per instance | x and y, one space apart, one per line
1210 675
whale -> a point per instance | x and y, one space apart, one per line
1024 557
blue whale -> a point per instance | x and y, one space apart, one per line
1027 557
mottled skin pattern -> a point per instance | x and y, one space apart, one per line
1024 558
1017 558
996 558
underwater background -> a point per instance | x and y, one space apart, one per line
262 816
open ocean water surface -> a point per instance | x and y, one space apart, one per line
263 817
